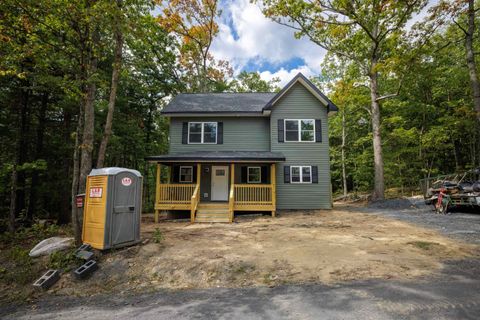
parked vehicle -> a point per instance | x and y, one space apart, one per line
452 191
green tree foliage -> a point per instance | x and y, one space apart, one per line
429 129
251 82
44 46
366 33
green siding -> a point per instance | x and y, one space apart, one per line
239 134
299 103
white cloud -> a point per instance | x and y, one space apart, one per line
287 75
261 41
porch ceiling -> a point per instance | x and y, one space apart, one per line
219 156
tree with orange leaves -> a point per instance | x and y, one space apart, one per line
193 22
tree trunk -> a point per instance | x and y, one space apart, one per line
86 147
82 155
38 154
22 146
379 184
64 215
456 155
117 64
13 202
148 132
344 172
75 180
88 125
471 63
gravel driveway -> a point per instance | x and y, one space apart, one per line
458 225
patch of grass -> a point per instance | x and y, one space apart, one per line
269 278
424 245
33 234
62 260
157 236
20 269
240 269
243 268
266 278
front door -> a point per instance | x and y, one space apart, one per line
219 183
123 220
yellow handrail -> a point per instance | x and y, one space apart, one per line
231 202
194 203
253 194
175 193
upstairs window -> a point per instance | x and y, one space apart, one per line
301 174
301 130
202 132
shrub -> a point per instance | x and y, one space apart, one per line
157 236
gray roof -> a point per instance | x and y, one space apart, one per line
244 102
219 156
111 171
218 102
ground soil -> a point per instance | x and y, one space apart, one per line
296 247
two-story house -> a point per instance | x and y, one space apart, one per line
232 152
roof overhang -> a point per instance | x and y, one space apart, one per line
219 157
216 114
300 78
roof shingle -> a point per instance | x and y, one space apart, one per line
218 102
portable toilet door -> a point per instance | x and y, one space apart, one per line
126 209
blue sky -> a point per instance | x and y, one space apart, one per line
251 42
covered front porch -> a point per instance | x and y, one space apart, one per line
216 184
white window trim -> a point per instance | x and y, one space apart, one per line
299 130
202 132
301 174
248 174
180 174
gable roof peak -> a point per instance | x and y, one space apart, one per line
309 86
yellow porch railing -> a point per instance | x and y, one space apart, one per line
194 203
253 197
175 193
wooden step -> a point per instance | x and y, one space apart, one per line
212 220
216 210
212 205
212 216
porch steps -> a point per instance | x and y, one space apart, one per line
212 212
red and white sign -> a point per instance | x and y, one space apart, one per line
96 192
126 181
79 201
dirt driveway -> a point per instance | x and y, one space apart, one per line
296 247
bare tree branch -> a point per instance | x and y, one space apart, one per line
461 28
